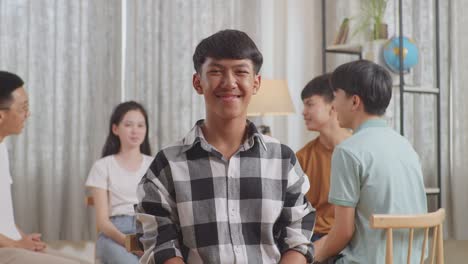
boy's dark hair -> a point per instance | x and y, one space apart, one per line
112 145
9 82
320 86
227 44
370 81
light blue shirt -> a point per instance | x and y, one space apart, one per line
377 171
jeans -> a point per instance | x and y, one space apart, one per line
110 252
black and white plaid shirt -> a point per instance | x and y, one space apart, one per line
197 205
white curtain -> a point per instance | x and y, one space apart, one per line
160 41
68 53
457 196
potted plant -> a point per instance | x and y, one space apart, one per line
372 14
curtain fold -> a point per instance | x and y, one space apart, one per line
68 53
457 197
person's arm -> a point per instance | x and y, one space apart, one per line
29 242
345 190
297 218
101 203
6 242
339 236
157 220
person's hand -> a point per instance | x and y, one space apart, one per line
174 260
292 256
36 237
31 242
139 253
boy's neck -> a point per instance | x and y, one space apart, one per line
332 135
225 135
362 118
2 135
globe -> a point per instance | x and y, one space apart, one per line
391 54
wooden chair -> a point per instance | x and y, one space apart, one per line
131 240
424 221
89 202
131 243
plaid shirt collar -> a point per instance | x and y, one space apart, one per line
196 136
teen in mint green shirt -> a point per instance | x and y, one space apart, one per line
375 171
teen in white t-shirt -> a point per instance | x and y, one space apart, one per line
113 181
7 223
16 246
121 183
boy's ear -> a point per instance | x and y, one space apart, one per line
196 82
257 83
357 102
2 116
332 109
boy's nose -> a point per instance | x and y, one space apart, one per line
230 81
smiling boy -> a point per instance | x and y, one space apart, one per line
225 193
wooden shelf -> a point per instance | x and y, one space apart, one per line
432 191
345 49
419 89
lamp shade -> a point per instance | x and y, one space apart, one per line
271 99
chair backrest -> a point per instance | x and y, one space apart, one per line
89 201
423 221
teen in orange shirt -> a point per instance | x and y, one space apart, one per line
315 156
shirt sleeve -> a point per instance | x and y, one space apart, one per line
297 218
345 183
97 176
158 227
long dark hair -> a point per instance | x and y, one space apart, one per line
112 145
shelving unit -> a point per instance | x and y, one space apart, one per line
357 50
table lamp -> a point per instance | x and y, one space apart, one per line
273 98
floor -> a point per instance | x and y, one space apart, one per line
456 251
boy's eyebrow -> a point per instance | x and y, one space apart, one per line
242 65
215 64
